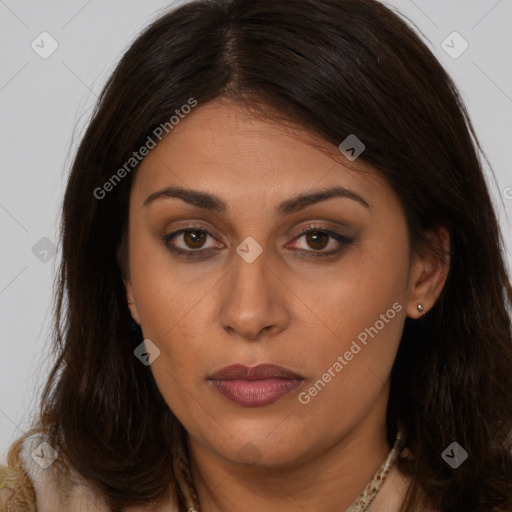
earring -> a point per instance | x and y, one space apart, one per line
130 301
421 309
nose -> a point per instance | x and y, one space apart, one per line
254 305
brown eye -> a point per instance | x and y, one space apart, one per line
194 239
190 243
317 239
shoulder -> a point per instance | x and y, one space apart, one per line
16 490
37 477
32 477
54 490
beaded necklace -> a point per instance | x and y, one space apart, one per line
364 500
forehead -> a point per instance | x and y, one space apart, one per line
224 149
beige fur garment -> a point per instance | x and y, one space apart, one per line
25 486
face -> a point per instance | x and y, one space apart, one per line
253 275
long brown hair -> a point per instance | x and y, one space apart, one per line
334 67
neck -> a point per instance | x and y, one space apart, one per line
329 481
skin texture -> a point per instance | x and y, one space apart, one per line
297 312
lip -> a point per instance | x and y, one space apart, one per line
255 386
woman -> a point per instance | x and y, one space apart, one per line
282 282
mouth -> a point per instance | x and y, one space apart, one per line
255 386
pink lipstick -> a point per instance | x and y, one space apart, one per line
255 386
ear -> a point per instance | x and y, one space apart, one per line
429 271
132 306
122 261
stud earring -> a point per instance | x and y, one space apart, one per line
421 309
130 302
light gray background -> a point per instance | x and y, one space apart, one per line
45 104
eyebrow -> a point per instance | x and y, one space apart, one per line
213 203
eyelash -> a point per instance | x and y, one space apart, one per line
203 253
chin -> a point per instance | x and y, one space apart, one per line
263 451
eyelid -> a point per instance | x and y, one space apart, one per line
342 240
323 226
166 238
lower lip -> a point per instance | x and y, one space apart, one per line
255 393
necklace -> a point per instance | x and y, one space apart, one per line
361 504
364 500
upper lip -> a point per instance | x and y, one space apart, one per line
258 372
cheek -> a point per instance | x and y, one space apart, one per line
174 316
174 319
365 286
364 308
163 301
